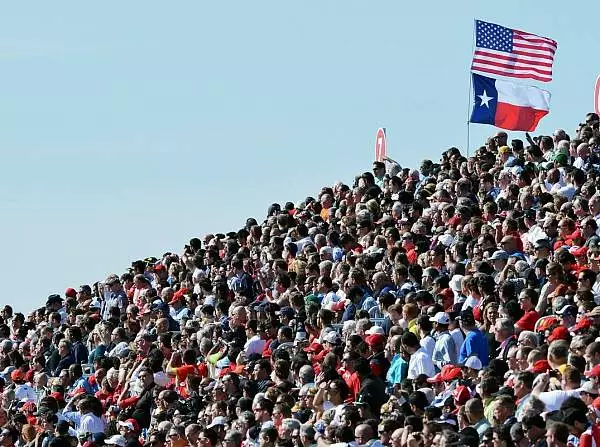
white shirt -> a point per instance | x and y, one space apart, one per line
420 363
458 338
25 393
428 343
90 423
254 346
554 399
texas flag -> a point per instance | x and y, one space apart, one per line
508 105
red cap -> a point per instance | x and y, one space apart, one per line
58 396
451 372
582 251
71 293
461 395
596 403
582 324
178 296
88 444
375 340
314 348
29 375
541 366
159 268
447 294
547 323
559 333
594 372
17 374
435 379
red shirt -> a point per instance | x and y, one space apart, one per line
528 320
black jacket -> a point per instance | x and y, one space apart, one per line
143 408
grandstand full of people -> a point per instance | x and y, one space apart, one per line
457 304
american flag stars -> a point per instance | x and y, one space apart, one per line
492 36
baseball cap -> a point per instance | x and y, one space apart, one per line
314 348
131 424
440 318
474 363
54 298
466 316
333 337
435 379
499 254
568 310
594 372
584 323
116 440
286 312
375 330
219 420
589 387
461 394
70 292
375 340
559 333
450 372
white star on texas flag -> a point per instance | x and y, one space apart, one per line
485 99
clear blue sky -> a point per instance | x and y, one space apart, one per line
128 127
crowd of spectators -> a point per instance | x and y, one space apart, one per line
453 305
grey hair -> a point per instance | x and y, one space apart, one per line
290 424
529 336
308 431
506 324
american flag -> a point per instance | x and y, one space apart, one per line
512 53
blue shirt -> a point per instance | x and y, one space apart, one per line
475 344
398 370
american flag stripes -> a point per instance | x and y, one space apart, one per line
512 53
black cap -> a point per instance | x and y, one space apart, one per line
466 316
54 298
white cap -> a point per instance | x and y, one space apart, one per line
375 330
116 440
332 337
446 239
473 362
440 318
219 420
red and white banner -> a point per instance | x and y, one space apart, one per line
380 145
597 96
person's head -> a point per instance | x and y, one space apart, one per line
233 438
207 438
557 434
267 437
523 383
505 407
474 410
363 433
504 328
534 427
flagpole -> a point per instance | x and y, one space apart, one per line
469 113
470 88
